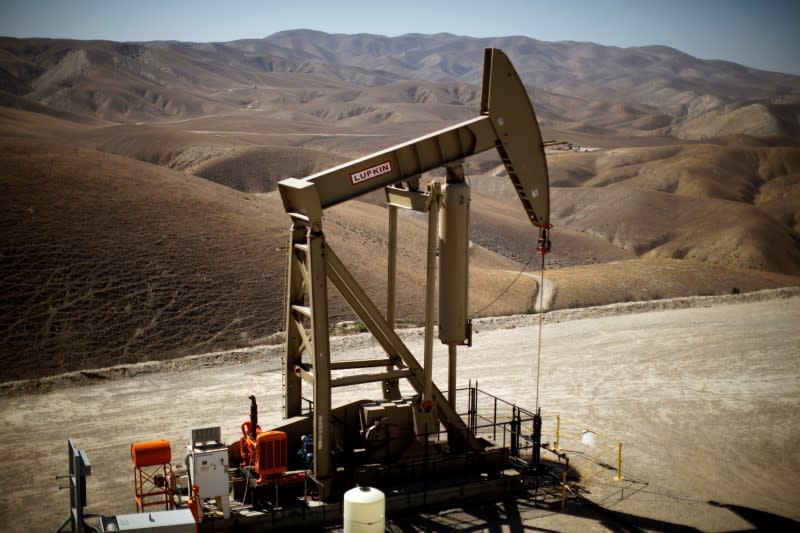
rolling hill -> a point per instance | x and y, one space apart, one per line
109 260
140 219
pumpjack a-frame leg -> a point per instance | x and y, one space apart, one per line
308 300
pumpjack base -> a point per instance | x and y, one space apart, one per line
308 513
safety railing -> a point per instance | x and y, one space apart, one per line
594 454
591 454
496 420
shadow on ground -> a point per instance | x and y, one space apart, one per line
525 515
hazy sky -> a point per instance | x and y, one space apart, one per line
757 33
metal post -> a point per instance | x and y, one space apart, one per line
392 267
537 440
454 326
391 387
514 428
79 468
430 289
494 420
474 411
558 433
619 463
318 299
451 374
295 297
426 463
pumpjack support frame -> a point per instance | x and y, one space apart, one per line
506 123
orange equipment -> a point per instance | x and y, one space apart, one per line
266 452
154 483
196 507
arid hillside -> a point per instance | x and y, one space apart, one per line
140 219
108 260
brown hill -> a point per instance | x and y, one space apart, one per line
699 170
759 120
109 260
701 202
116 249
259 169
656 224
646 279
180 150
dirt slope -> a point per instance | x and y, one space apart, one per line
108 260
127 261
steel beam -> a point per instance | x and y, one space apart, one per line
320 341
296 338
392 344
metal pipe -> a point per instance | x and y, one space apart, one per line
253 417
392 267
451 374
370 378
537 440
361 363
430 289
391 388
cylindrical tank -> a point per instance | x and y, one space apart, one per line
454 263
364 510
152 452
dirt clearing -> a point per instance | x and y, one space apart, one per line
705 400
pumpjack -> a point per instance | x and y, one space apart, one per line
417 448
506 123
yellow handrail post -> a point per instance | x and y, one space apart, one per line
619 462
558 432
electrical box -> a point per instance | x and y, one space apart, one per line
210 471
208 466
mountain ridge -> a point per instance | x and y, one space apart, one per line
669 90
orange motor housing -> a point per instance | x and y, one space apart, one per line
272 455
268 454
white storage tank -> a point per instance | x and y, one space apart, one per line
364 510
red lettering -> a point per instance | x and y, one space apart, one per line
371 172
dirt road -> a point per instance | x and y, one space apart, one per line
706 401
